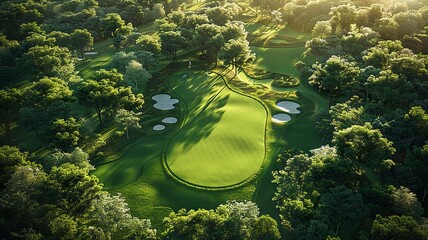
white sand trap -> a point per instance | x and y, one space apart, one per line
91 53
159 127
281 118
288 107
164 102
170 120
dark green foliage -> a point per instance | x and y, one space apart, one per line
343 208
336 76
398 227
48 91
106 92
81 39
234 220
363 145
10 159
209 40
47 61
172 42
237 53
65 133
10 102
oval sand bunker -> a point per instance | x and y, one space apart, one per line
159 127
281 118
164 102
288 107
170 120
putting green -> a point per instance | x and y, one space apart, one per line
222 142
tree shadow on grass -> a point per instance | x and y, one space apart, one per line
202 125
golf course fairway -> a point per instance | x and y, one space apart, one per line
222 141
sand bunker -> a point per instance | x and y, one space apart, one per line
288 107
159 127
281 118
164 102
170 120
91 53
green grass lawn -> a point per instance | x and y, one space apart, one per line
140 177
101 60
222 142
230 128
279 60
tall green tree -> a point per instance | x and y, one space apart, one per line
81 39
10 102
237 53
10 159
136 75
209 40
398 227
65 133
406 203
219 15
71 189
172 42
234 220
128 119
111 216
341 18
149 43
121 59
106 91
112 24
76 157
363 145
19 203
343 208
265 228
50 61
335 76
417 121
48 91
234 30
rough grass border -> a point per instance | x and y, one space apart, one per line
201 187
271 75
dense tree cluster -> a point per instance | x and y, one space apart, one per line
234 220
60 200
214 33
369 182
371 65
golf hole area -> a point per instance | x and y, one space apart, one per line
222 146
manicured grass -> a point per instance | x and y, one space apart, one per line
223 143
279 60
277 30
102 60
274 35
139 174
